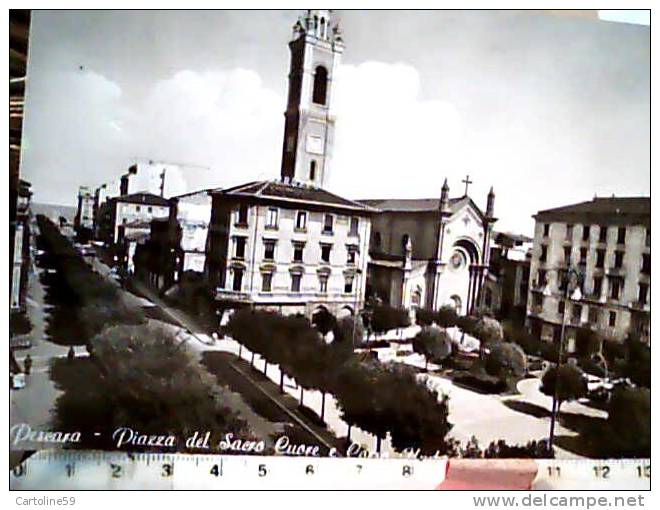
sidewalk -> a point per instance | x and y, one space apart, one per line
33 403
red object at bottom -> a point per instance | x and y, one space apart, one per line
489 474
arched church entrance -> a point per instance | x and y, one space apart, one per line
458 280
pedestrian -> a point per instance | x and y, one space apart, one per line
71 354
27 364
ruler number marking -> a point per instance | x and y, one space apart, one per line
407 471
602 471
262 470
116 470
554 471
644 471
168 470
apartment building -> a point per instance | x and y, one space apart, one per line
607 242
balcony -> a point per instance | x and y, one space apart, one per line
231 295
640 305
616 271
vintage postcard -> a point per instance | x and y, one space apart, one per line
413 239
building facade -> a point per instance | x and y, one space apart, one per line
129 215
607 241
21 248
430 253
288 247
507 285
84 220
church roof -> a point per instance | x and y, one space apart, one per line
418 204
297 193
610 211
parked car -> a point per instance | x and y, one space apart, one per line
17 381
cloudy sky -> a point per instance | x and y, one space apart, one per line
547 109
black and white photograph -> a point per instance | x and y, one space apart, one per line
389 235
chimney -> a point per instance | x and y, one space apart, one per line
123 185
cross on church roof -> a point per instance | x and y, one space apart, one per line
467 182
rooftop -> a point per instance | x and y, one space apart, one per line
418 204
297 193
611 210
142 198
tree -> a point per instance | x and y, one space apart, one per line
569 380
506 361
323 321
385 318
629 420
637 366
433 343
488 331
587 342
350 331
149 383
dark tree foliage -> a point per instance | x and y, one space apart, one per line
85 302
368 394
587 342
629 420
140 377
572 383
349 331
506 361
445 317
385 318
433 343
637 365
324 321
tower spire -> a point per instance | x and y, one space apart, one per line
309 126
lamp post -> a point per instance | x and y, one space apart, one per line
571 291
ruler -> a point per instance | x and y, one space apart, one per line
98 470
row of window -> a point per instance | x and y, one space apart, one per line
614 290
298 250
576 312
600 258
138 208
602 233
272 220
296 279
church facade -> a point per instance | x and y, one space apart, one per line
430 253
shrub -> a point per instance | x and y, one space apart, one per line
506 361
433 343
572 383
481 382
531 450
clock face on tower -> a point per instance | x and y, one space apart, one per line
314 144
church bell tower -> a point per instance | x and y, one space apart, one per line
316 49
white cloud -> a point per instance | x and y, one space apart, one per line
227 121
385 130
